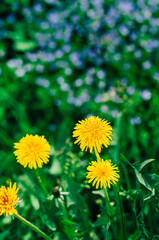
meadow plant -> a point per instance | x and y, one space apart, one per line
92 133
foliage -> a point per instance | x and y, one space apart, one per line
62 61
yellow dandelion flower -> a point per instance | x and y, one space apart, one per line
92 133
32 151
8 199
102 173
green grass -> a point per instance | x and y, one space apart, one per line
62 61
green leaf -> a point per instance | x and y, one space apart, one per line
126 160
24 45
80 234
103 220
57 219
55 168
7 219
149 195
99 192
69 222
155 237
35 202
153 179
4 235
139 166
138 203
66 230
143 180
81 207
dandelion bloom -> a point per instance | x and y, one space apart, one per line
32 151
102 173
92 133
8 199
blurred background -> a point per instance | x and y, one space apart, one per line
62 61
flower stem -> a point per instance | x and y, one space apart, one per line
113 225
41 183
32 226
107 228
108 201
97 154
123 233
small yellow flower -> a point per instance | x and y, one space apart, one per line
102 173
8 199
32 151
92 133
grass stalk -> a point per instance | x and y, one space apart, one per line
112 222
32 226
41 183
122 223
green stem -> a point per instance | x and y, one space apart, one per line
107 228
32 226
126 176
109 209
41 183
108 201
113 225
123 233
